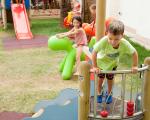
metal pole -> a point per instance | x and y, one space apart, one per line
95 95
123 93
142 92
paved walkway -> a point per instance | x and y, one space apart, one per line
13 116
12 43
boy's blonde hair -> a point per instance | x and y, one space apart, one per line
116 27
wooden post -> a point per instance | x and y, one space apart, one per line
4 14
100 18
84 98
147 91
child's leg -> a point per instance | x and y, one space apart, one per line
110 78
87 52
99 87
109 98
110 84
100 82
78 55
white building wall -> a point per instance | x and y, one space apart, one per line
135 14
144 18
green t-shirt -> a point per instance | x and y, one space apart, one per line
107 56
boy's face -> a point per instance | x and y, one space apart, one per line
114 40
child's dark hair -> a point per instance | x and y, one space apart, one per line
116 27
78 18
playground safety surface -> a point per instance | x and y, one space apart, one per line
11 43
13 115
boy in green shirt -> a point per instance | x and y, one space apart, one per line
106 54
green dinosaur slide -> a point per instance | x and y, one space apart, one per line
66 66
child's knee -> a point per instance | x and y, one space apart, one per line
101 76
110 76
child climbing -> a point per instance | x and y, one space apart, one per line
80 39
106 54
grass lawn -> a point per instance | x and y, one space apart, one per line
30 75
50 27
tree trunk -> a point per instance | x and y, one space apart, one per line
65 7
85 10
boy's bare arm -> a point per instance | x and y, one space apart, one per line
94 58
94 61
135 62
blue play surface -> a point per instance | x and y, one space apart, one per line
64 107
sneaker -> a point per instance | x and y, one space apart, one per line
108 98
99 98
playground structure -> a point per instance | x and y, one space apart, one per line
82 104
66 66
64 107
20 17
6 10
142 109
48 108
21 22
20 13
122 107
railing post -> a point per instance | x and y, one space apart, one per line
84 98
147 90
